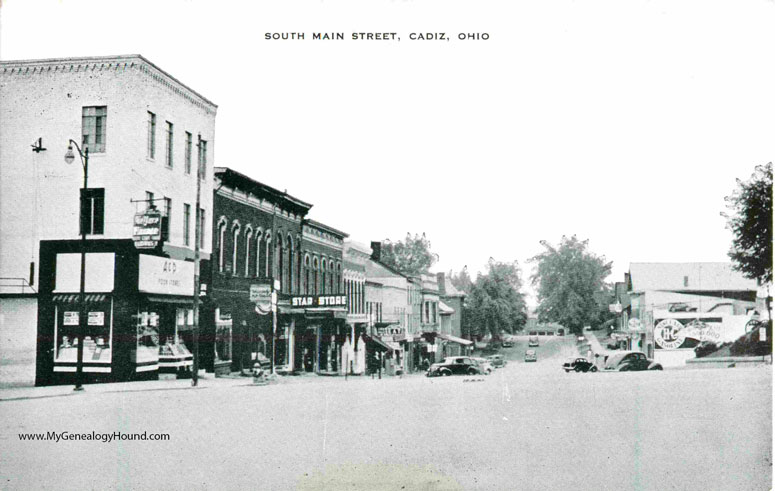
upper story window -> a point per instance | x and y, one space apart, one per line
93 211
201 227
186 224
165 219
189 143
202 158
151 135
93 124
168 154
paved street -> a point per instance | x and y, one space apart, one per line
527 426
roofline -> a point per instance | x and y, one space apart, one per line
279 194
391 269
325 227
89 59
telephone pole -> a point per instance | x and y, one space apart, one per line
197 280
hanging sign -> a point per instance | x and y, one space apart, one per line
147 229
261 295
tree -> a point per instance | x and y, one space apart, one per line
411 256
750 221
462 280
570 283
495 303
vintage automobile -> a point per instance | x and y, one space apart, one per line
485 366
497 361
507 343
579 365
532 341
531 355
455 365
630 361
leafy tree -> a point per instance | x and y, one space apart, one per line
495 303
750 221
410 256
462 280
570 282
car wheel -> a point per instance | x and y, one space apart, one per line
578 369
471 371
446 373
656 367
625 368
593 369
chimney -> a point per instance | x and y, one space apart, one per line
440 280
376 250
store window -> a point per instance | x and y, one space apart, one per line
223 336
147 348
97 335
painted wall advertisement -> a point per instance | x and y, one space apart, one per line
166 276
686 333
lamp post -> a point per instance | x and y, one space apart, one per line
69 158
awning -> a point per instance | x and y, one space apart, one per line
385 324
456 339
445 309
171 299
381 345
76 297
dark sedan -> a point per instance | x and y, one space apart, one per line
456 365
630 361
579 365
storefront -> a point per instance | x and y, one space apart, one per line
313 336
137 310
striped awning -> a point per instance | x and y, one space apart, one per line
76 297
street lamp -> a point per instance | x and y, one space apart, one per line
69 158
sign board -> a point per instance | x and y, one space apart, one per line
96 318
261 295
635 324
166 276
669 334
615 307
147 228
319 301
70 319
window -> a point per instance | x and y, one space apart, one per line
235 236
202 158
151 135
186 224
168 155
201 227
188 152
165 219
248 237
93 211
93 122
221 245
686 281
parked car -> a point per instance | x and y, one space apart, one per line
579 365
507 343
531 355
630 361
532 341
497 361
456 365
485 366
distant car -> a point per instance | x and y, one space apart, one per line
530 355
581 339
497 361
579 365
485 366
630 361
532 341
456 365
507 343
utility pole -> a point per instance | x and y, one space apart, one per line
197 281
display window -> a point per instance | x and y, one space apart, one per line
146 354
97 332
173 351
223 336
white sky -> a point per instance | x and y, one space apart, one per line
623 122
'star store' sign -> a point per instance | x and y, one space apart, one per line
319 301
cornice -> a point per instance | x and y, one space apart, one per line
108 63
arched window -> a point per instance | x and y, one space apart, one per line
315 277
268 248
248 239
306 276
235 237
288 262
277 266
259 238
338 278
323 275
331 276
221 244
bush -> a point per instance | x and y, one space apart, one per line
705 348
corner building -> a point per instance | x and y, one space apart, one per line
148 137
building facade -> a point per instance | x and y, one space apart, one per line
147 137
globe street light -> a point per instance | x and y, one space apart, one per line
69 158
